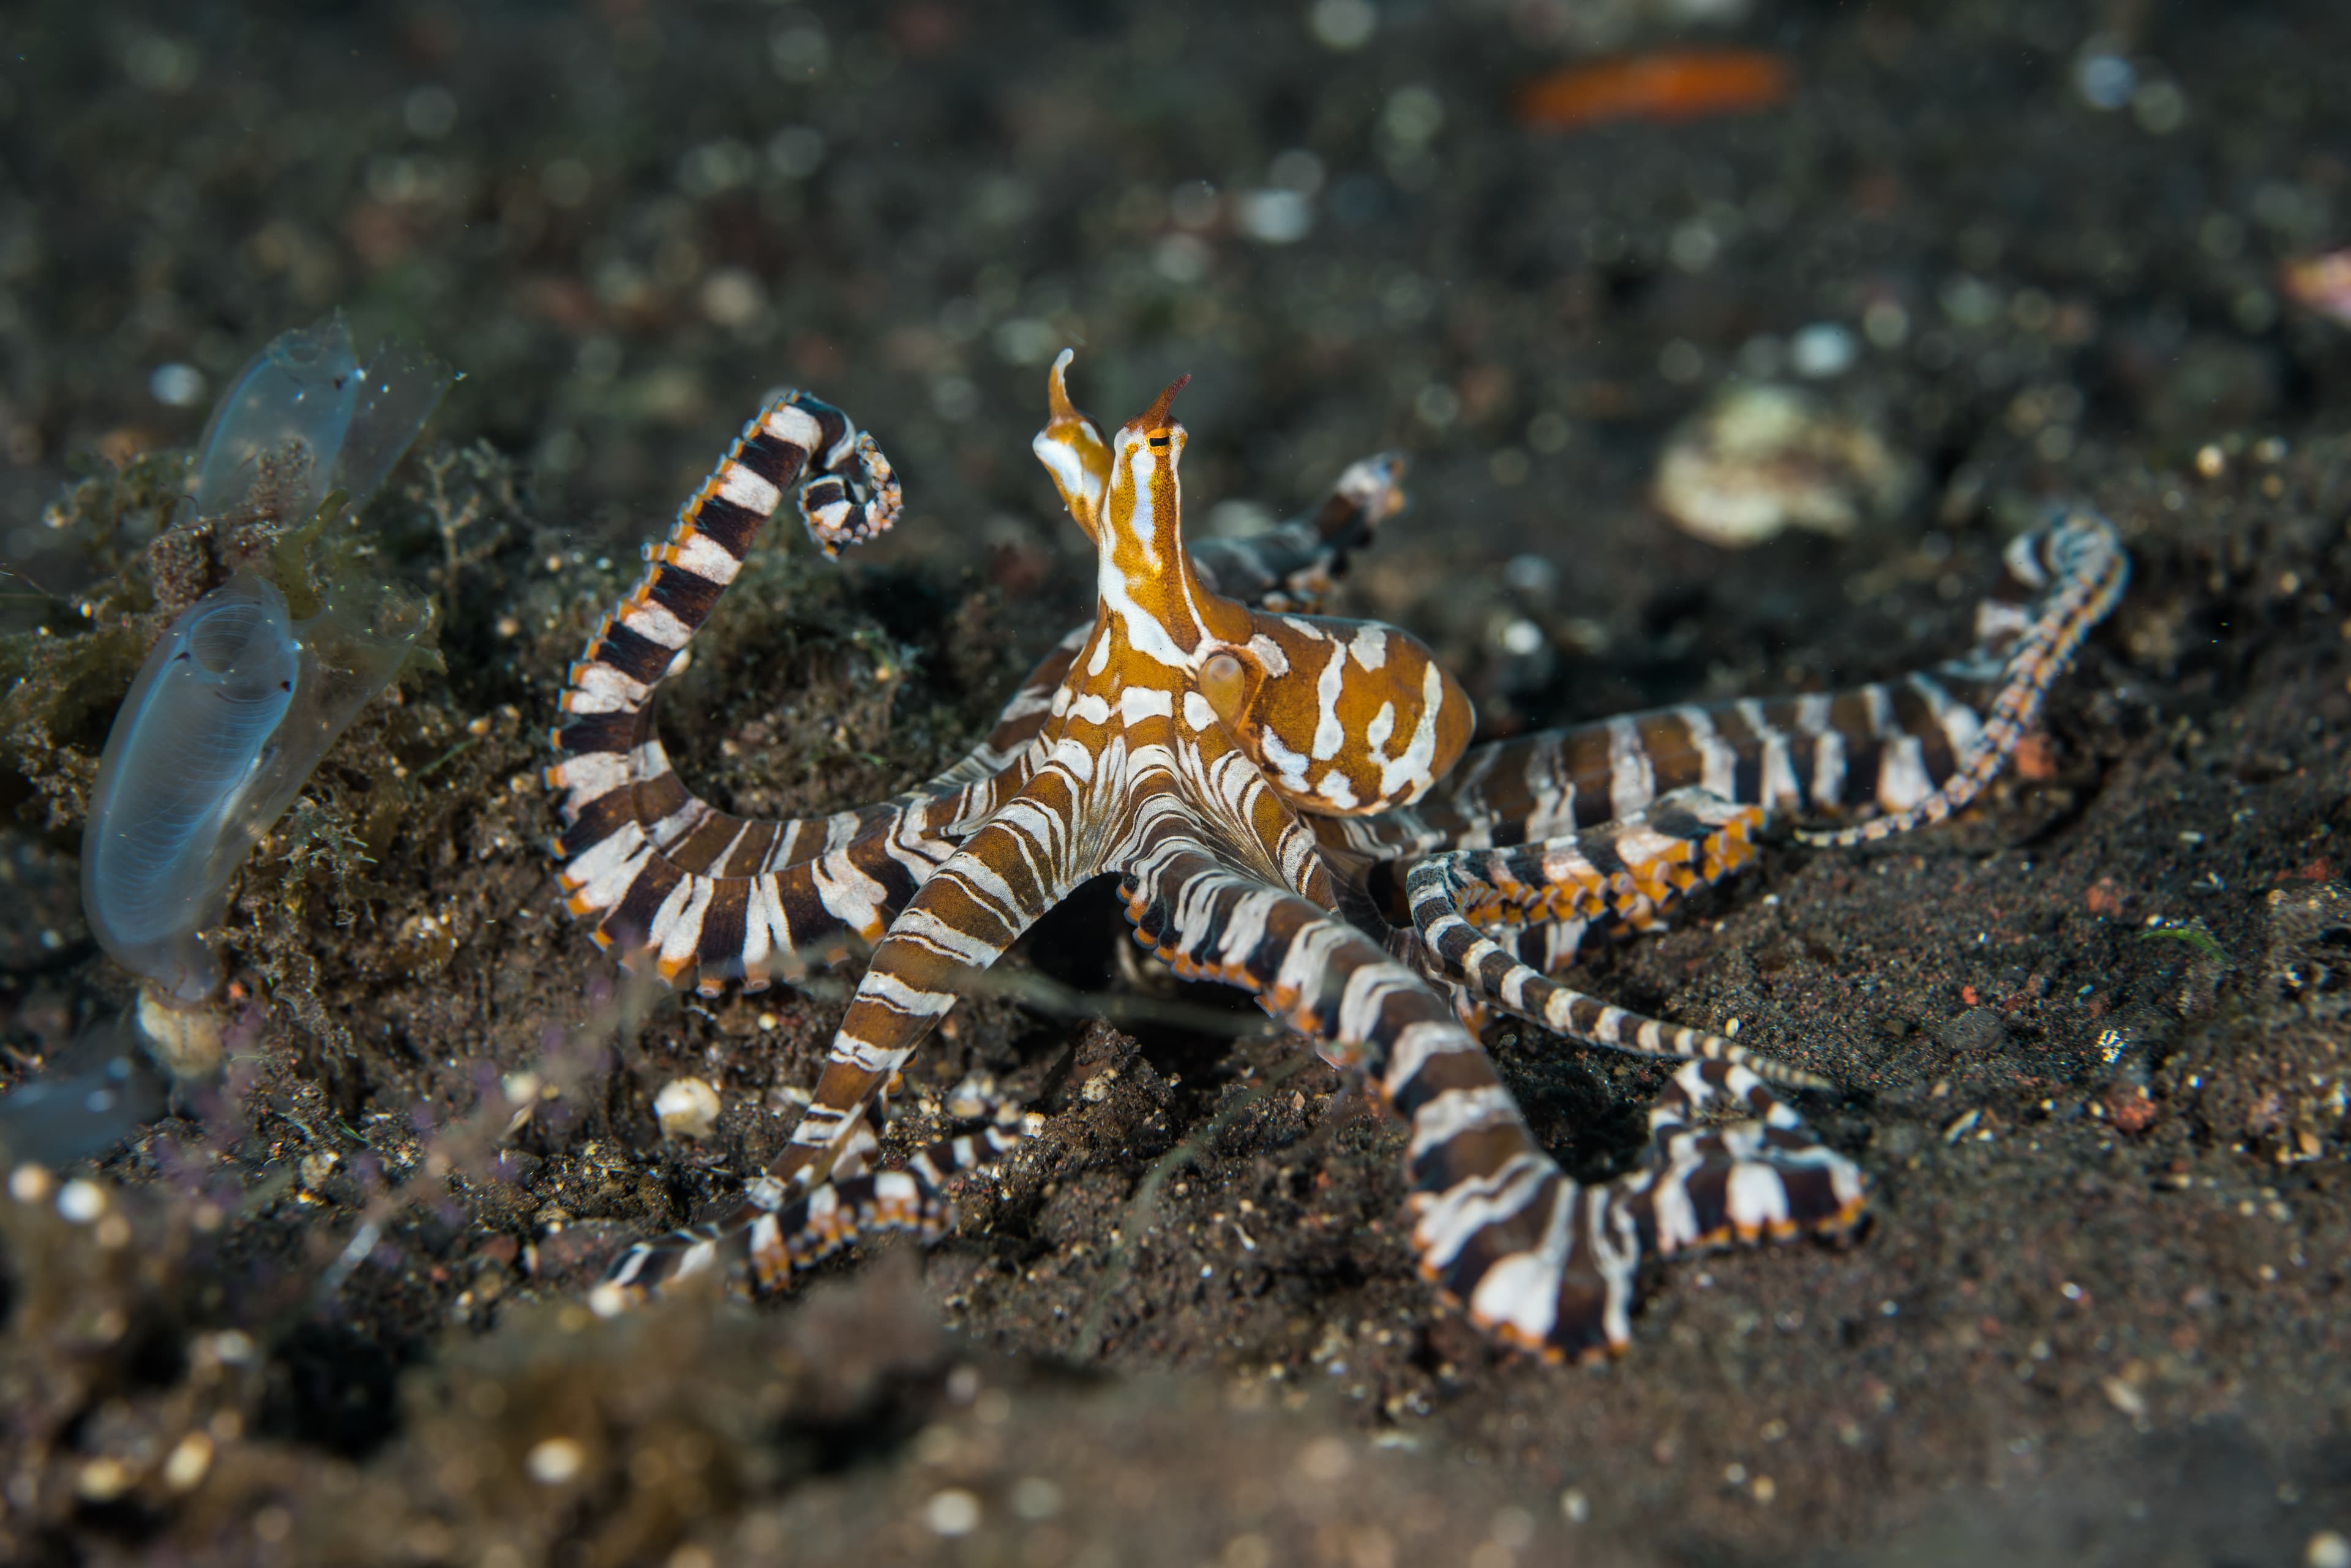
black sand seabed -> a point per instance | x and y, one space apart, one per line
2099 1322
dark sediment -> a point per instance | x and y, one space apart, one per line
2103 1320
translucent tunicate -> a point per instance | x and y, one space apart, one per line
231 713
90 1096
239 699
398 393
185 748
307 392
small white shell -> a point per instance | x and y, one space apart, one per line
1757 459
688 1108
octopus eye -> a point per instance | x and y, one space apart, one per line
1225 683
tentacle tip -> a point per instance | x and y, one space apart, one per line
1577 1346
1849 1214
632 960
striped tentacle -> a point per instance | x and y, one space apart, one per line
2079 567
1453 948
1887 744
695 888
796 443
832 504
1292 565
1203 782
774 1232
1019 722
658 900
1914 748
1528 1253
602 804
1550 945
824 887
1531 1255
1023 860
1624 873
670 878
1537 902
1763 1178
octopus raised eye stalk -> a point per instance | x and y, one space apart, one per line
1291 806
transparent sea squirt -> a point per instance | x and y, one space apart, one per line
239 700
308 390
193 744
226 721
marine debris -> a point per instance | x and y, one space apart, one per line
2321 283
1675 84
1758 459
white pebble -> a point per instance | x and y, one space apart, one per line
1757 459
190 1458
103 1479
82 1201
555 1461
688 1108
1822 349
953 1512
1273 217
187 1042
176 385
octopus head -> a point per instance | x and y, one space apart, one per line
1344 717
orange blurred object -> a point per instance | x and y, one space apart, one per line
2322 283
1683 85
